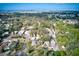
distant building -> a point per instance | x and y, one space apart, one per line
68 21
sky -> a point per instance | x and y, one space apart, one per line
39 6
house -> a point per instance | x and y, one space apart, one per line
51 33
20 32
46 44
54 45
27 34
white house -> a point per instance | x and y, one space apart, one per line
27 34
46 43
20 32
54 45
33 41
